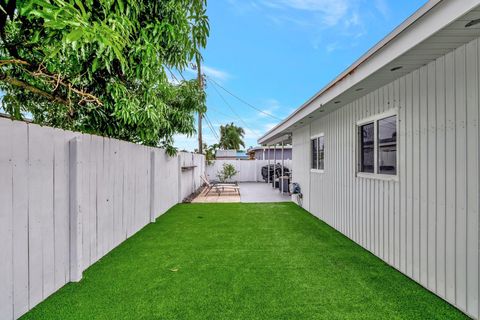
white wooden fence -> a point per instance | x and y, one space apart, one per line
248 170
67 199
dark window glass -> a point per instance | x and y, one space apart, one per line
367 148
387 145
314 153
321 153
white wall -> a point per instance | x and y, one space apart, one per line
426 224
67 199
190 178
248 170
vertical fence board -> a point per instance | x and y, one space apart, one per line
6 221
88 176
20 215
67 199
45 156
61 207
77 162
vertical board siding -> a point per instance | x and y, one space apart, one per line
425 223
472 185
301 165
114 189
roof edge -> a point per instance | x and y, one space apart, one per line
411 20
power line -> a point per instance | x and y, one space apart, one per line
242 100
210 125
233 110
222 113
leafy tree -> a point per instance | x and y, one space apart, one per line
231 137
209 152
100 66
227 172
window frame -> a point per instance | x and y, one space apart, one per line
374 119
320 135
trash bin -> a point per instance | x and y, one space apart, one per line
284 184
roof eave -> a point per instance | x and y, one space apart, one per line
416 29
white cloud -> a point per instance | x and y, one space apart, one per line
382 7
243 6
214 73
190 143
353 21
269 126
332 47
271 105
330 12
327 21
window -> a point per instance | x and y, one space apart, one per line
378 144
318 153
367 154
387 145
314 153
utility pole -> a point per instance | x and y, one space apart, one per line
200 116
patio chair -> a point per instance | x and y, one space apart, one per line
219 187
206 180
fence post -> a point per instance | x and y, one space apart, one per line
76 209
152 186
179 168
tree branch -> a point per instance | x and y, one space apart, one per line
56 80
35 90
13 61
53 79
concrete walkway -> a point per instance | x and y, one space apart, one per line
249 192
261 192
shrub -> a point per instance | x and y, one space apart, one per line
227 172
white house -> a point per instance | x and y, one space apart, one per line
264 153
388 152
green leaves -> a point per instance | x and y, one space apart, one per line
115 50
231 137
227 172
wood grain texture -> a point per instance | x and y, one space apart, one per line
67 199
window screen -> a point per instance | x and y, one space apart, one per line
387 145
314 153
367 153
321 153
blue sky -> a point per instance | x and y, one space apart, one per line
276 54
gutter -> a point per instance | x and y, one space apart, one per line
350 70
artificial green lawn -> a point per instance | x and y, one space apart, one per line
241 261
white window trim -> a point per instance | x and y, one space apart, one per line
315 137
377 176
374 119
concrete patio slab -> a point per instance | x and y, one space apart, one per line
261 192
249 192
